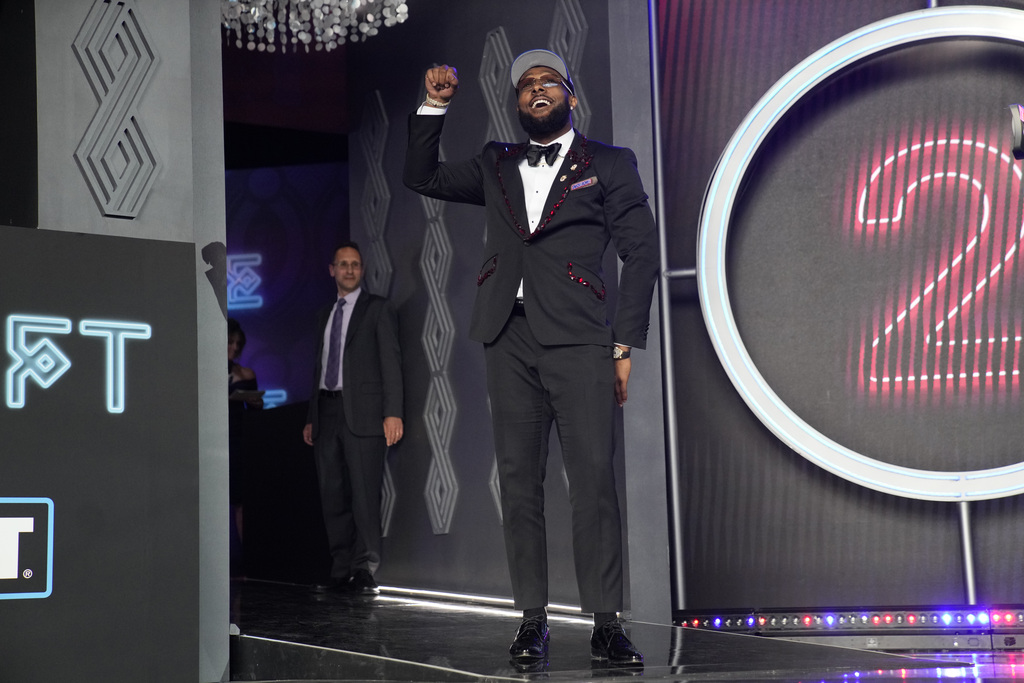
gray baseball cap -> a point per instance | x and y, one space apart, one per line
532 58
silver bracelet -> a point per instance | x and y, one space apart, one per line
435 103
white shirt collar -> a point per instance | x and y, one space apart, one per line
351 297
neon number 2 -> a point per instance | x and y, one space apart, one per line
945 325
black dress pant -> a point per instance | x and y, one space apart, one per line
530 387
350 470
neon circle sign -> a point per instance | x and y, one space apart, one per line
722 193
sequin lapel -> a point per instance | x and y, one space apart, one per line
507 169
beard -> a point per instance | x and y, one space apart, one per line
552 122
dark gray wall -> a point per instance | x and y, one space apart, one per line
123 484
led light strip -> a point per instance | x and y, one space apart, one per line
443 601
845 619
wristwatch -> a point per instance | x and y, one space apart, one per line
619 353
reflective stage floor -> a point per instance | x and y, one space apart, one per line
288 633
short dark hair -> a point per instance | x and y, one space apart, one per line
347 245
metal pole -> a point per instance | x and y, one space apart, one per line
965 537
680 273
672 464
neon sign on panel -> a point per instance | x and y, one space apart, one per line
42 360
244 281
951 208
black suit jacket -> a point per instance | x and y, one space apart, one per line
371 368
597 198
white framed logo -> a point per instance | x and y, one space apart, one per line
26 548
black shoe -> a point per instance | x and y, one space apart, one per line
531 643
362 582
609 642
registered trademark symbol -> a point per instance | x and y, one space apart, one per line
27 573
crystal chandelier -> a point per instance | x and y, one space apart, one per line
273 25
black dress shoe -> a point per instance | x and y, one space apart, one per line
362 582
609 642
531 643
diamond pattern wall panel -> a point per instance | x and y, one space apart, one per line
374 205
115 155
439 328
442 487
496 88
387 500
376 199
501 125
568 36
494 482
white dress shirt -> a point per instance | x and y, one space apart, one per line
537 181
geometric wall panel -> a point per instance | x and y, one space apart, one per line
494 485
498 95
442 488
115 155
495 86
568 36
387 500
376 199
374 205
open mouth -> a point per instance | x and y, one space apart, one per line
540 103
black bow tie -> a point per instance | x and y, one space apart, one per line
550 153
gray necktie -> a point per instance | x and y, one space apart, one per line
336 342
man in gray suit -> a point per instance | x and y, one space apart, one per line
553 206
355 413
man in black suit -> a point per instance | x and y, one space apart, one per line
540 313
355 413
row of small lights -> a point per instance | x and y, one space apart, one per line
996 618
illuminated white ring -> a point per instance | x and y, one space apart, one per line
902 30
